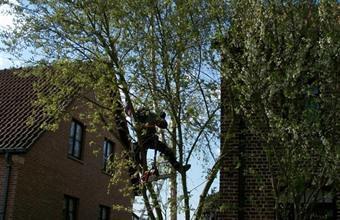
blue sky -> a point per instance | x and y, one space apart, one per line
6 21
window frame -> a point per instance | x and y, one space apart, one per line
325 203
105 156
75 124
66 210
108 212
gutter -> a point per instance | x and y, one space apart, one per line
12 151
5 182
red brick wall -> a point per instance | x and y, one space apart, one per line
15 169
2 173
48 174
245 186
45 174
259 202
337 200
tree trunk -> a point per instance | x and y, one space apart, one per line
173 195
173 181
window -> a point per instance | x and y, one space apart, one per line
70 210
76 139
325 211
107 152
104 213
325 205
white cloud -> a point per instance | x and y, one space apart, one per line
8 61
6 19
5 63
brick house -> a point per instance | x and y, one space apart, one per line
51 175
239 193
243 195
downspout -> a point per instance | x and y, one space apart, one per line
241 177
5 183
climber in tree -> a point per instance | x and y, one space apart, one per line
147 121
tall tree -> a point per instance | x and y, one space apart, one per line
281 65
135 53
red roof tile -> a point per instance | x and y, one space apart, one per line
16 97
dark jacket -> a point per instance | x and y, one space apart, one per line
147 121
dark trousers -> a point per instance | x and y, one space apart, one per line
152 142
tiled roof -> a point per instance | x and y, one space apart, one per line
16 97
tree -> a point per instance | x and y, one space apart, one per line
281 66
135 53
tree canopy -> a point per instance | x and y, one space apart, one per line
281 65
128 53
279 60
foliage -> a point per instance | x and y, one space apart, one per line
136 53
281 64
212 202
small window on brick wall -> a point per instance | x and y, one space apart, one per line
108 153
325 206
104 213
70 210
76 139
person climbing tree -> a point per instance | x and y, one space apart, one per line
146 122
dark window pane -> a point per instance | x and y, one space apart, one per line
71 139
76 151
79 132
72 129
325 211
104 213
75 141
70 208
107 151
